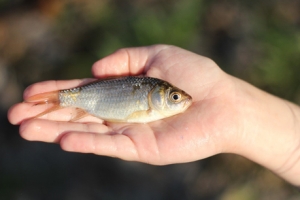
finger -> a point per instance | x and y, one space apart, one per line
117 145
53 85
24 111
51 131
131 142
127 61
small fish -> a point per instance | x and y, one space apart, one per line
135 99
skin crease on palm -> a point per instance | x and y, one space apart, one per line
215 122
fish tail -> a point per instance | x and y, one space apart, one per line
53 108
45 98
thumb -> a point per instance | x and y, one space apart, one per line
126 61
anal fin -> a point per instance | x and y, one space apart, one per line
80 113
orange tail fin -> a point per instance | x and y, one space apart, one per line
45 98
52 98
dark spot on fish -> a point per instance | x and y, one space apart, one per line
136 87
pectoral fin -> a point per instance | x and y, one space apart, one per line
143 116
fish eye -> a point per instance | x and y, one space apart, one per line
175 96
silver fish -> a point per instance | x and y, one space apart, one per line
134 99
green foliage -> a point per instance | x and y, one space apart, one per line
279 67
135 26
177 27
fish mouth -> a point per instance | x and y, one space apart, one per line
188 102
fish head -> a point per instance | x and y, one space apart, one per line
169 100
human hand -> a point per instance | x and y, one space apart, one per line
186 137
227 115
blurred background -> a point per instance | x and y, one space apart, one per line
258 41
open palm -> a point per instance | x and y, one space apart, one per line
203 130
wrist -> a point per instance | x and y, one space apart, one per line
270 132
